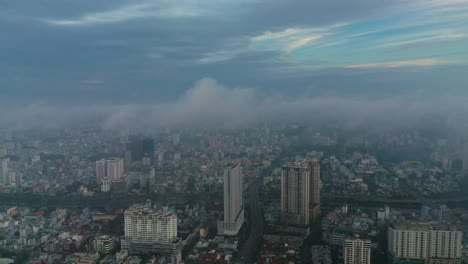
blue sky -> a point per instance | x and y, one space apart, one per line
120 52
422 34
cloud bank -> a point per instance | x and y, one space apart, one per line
210 104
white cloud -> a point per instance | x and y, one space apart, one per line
301 42
279 34
402 63
147 9
220 56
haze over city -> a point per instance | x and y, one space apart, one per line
245 132
183 60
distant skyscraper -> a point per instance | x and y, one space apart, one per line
4 175
100 170
233 202
135 146
176 139
295 193
315 188
464 154
115 169
148 148
357 251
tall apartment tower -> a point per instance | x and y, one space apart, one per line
233 202
357 251
100 170
295 193
115 169
464 154
151 231
432 243
315 188
4 175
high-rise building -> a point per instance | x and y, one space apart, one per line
148 148
105 185
439 243
16 178
315 188
357 251
100 170
425 212
233 202
4 175
115 169
444 213
295 193
176 139
464 154
135 147
150 231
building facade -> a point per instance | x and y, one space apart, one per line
357 251
315 188
100 170
233 201
429 242
151 231
104 244
295 193
115 169
4 175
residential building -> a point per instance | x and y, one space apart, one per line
357 251
233 201
4 175
429 242
104 244
295 193
315 188
151 231
105 185
100 170
115 169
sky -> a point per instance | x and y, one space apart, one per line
104 56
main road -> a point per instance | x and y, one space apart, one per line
249 249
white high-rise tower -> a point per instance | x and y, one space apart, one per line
233 202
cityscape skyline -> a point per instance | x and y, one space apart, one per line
234 131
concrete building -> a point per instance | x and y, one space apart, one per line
151 231
295 193
357 251
428 242
105 185
115 169
315 188
104 244
464 154
16 178
233 201
100 170
4 175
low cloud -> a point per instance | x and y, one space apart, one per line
210 104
